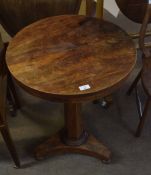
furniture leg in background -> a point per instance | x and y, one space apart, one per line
3 120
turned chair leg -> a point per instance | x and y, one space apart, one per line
12 95
143 118
133 85
10 145
11 103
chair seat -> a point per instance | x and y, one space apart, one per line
146 75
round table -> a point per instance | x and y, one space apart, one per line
71 59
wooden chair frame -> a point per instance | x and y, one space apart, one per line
99 13
145 55
3 121
142 46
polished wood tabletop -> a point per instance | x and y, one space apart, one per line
56 56
71 59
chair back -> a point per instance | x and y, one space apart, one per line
133 9
16 14
143 30
3 84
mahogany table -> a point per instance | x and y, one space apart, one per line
71 59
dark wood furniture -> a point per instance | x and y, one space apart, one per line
140 11
145 73
75 59
3 121
16 14
134 9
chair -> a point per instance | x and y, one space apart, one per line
14 15
141 14
3 122
145 74
135 11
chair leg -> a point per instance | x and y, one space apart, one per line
12 90
143 118
11 103
10 145
133 85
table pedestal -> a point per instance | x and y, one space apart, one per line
73 139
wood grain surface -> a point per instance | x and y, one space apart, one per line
54 146
53 57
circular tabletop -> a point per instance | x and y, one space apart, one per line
71 57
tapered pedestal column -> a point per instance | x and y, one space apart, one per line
73 138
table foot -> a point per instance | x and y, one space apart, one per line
91 147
